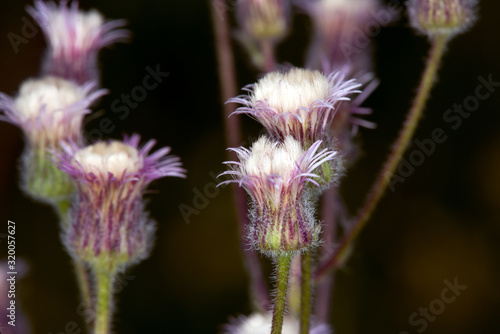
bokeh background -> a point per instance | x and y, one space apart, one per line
442 223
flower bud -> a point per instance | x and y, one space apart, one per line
275 176
109 224
441 17
264 19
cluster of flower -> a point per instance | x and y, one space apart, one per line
96 189
309 114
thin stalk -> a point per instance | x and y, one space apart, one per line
406 134
104 305
306 294
282 273
232 126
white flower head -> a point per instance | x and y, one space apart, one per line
49 111
299 103
258 323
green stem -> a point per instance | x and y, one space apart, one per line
103 307
305 300
282 273
406 134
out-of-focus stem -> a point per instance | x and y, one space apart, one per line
279 307
306 294
227 75
438 47
267 48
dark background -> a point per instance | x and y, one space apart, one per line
442 222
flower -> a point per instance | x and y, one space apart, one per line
75 38
441 17
108 222
342 31
300 103
275 175
49 110
257 323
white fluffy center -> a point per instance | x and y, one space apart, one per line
269 158
287 92
349 6
53 93
114 157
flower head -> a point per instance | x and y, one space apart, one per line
300 103
441 17
275 175
108 218
75 38
49 110
257 323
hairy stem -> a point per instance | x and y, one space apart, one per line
279 307
306 294
104 305
427 82
227 75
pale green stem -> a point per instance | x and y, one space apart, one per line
279 307
104 305
306 292
406 134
